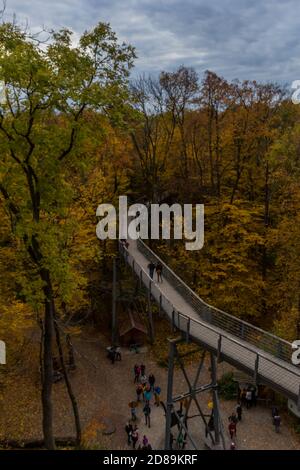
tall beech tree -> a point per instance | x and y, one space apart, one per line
51 92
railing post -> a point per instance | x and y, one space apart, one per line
173 320
215 398
150 316
188 329
114 305
279 349
219 348
256 368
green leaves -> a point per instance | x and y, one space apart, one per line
51 126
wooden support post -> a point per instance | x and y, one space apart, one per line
215 399
170 395
137 286
150 316
141 278
256 369
160 305
114 305
188 330
219 348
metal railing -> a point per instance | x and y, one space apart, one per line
227 336
261 339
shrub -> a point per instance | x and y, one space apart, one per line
227 386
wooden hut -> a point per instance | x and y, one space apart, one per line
132 331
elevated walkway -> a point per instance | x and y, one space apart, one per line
260 354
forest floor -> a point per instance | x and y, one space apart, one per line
103 392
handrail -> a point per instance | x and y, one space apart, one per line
263 340
284 377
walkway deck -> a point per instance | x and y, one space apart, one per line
258 353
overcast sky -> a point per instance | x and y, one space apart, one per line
246 39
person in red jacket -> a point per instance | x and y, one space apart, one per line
232 429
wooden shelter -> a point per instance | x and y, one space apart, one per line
132 331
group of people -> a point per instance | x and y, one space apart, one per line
155 267
133 438
145 389
234 418
124 242
248 396
114 353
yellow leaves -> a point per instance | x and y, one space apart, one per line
286 325
90 432
15 319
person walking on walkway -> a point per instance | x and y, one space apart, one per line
151 380
137 373
157 391
243 396
277 422
147 395
135 437
159 269
248 399
239 411
139 392
133 414
145 441
143 369
143 379
232 429
129 430
254 396
124 242
144 386
147 411
233 418
151 267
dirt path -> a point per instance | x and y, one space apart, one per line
104 390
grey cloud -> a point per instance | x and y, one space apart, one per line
235 38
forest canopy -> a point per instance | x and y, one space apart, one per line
76 130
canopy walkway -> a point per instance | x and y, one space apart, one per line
260 354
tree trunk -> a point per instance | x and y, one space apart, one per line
264 248
47 373
68 385
218 155
210 150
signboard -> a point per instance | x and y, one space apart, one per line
292 406
2 353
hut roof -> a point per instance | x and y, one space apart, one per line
131 322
